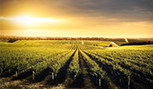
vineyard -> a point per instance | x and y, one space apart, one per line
75 64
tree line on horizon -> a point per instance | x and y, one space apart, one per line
59 38
133 41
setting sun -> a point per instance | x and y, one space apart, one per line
27 19
76 18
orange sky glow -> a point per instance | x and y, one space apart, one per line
69 18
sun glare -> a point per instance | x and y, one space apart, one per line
30 20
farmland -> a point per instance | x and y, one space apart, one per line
75 64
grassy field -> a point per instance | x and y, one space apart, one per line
75 64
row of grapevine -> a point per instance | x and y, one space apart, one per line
113 70
122 65
126 63
94 69
22 58
74 67
60 63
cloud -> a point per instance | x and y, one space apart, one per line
116 18
126 10
123 10
84 12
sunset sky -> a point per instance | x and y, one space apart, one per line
77 18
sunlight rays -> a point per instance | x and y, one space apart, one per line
31 20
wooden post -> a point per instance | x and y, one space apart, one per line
120 80
128 82
52 75
9 70
55 75
82 43
16 73
1 71
99 82
33 73
74 76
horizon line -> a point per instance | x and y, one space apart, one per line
76 37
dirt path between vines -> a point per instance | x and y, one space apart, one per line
86 78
